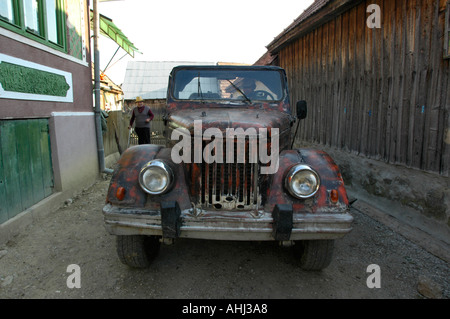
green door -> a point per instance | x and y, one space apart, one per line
26 175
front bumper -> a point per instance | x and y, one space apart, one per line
281 224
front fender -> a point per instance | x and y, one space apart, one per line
126 175
330 178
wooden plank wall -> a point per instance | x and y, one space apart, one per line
383 93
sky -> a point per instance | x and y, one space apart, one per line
196 30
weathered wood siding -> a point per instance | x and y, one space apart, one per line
383 93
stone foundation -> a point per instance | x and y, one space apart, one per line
412 190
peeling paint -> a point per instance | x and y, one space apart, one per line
218 209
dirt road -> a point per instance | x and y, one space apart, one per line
34 264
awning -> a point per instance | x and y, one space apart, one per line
109 29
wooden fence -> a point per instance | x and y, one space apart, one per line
383 93
118 122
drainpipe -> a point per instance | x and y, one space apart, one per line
98 123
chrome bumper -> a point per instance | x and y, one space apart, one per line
226 225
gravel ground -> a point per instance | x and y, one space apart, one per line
34 264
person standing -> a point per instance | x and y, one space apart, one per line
142 115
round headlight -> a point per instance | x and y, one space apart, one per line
156 177
302 181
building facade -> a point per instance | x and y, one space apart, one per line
48 147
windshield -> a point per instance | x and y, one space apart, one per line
228 84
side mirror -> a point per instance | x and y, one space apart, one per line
302 109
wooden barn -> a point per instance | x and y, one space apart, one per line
375 74
376 77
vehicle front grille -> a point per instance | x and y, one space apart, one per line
226 186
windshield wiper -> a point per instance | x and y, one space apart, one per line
240 91
199 88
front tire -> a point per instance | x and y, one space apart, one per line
314 254
137 251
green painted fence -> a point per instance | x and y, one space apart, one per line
26 174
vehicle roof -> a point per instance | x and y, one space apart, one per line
229 67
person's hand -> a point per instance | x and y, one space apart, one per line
147 120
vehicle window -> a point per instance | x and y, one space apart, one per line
226 84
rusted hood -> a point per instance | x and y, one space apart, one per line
223 118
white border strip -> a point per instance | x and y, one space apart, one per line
72 114
36 97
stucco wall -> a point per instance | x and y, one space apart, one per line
74 150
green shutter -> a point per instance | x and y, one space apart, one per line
10 173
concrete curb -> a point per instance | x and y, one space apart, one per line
18 223
435 240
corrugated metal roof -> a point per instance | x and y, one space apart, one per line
149 79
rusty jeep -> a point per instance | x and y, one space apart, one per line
227 172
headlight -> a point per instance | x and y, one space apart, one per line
156 177
302 181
